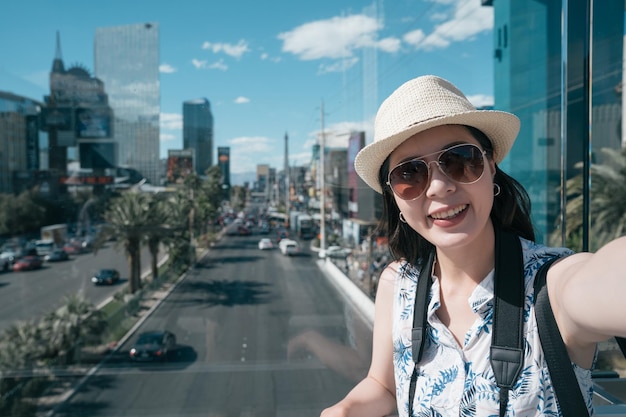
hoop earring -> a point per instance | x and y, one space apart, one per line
402 219
496 189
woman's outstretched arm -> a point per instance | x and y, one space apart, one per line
588 296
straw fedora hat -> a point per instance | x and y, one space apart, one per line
422 103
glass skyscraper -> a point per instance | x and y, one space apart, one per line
561 73
198 132
127 61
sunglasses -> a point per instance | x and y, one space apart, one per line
463 164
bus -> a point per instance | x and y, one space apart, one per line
44 246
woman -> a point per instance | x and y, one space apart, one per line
434 159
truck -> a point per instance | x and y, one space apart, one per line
57 233
305 226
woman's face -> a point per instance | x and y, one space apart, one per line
448 214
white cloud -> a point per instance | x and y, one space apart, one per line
242 100
236 51
337 66
468 19
167 137
251 144
204 64
337 134
219 65
166 68
199 63
480 100
171 121
338 37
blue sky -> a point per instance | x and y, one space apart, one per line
267 68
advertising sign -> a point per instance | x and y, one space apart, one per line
179 165
93 123
59 118
97 155
223 161
355 143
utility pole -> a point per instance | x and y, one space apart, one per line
322 190
286 168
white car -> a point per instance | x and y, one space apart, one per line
337 252
266 243
289 247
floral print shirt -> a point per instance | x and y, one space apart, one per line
458 380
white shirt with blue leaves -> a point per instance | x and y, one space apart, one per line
459 381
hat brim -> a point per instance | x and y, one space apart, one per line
500 127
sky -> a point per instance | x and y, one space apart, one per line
268 69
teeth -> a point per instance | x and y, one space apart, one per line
448 214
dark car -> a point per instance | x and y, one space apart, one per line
106 276
28 263
57 255
153 345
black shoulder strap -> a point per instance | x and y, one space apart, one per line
559 364
507 352
420 310
507 349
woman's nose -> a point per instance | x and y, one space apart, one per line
438 182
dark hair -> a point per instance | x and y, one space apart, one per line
510 211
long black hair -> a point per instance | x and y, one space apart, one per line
510 211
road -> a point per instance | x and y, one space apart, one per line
259 334
31 294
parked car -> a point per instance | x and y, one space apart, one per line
153 345
28 263
244 231
289 247
11 255
266 243
106 276
57 255
5 263
337 252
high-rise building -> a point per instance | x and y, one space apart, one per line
19 140
542 61
127 61
223 161
198 132
77 114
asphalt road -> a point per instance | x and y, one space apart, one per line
259 334
27 295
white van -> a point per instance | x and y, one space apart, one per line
288 247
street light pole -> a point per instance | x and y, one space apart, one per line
322 190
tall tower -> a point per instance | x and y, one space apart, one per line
198 132
127 61
286 174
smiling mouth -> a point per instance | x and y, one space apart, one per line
449 214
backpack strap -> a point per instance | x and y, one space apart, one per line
559 364
507 351
420 322
507 348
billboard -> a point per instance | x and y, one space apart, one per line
59 118
97 155
180 164
93 123
355 143
223 161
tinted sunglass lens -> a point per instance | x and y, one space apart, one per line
463 164
408 180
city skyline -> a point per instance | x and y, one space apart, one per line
269 76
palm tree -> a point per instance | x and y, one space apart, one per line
128 220
70 327
164 228
21 345
607 204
